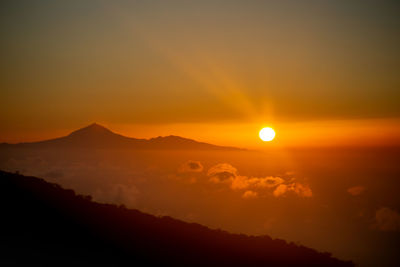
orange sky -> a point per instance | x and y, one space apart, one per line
374 132
321 74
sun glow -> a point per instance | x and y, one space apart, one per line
267 134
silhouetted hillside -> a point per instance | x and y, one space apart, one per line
97 136
45 224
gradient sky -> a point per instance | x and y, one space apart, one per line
149 68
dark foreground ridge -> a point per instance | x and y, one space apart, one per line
46 225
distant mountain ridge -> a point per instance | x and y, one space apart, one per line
98 137
46 225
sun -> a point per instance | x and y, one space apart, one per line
267 134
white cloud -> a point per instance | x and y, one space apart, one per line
356 190
299 189
280 190
118 194
249 194
191 166
221 172
227 174
243 182
387 219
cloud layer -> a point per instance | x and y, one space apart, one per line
256 186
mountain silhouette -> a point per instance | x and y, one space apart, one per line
99 137
46 225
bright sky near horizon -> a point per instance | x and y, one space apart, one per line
319 72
